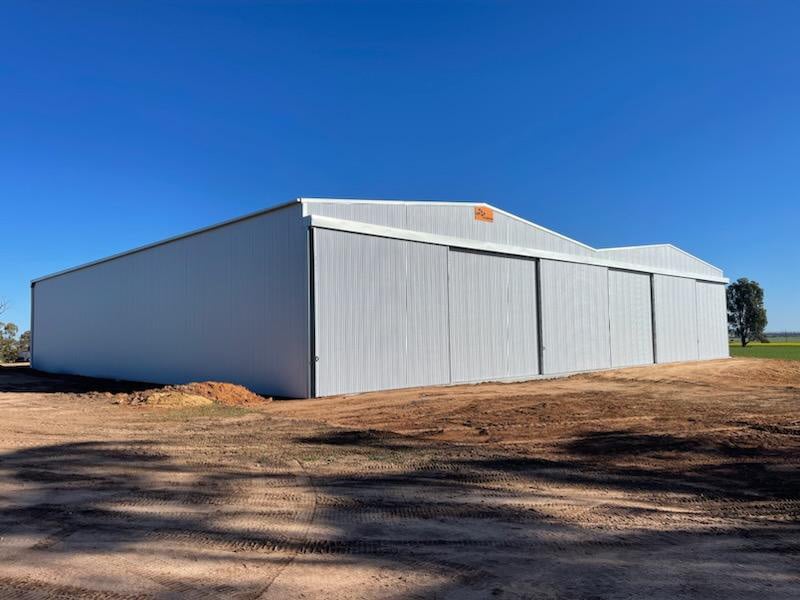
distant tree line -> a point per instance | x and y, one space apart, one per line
786 335
11 346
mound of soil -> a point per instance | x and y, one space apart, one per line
187 395
167 399
223 393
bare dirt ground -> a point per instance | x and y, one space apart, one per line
676 481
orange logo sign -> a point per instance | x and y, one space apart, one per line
484 213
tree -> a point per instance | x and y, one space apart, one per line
24 344
747 316
8 342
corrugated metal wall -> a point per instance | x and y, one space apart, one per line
392 314
449 219
384 213
675 318
493 329
575 332
661 256
631 316
395 313
712 328
381 313
229 304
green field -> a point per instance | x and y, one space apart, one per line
781 350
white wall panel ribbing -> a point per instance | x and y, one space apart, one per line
492 316
712 328
523 336
386 214
631 315
381 313
675 318
227 304
427 348
662 256
457 220
575 332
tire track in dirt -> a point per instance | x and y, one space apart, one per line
308 481
630 490
12 588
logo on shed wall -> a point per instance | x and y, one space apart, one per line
484 213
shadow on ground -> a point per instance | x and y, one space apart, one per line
179 518
26 379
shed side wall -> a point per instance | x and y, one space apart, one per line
229 304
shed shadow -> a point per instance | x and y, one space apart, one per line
26 379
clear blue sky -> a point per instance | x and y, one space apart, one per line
615 123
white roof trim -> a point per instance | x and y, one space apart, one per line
633 247
396 202
445 240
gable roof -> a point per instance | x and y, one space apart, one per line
514 230
455 220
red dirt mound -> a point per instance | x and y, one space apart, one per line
223 393
190 394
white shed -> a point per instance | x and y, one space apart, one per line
321 297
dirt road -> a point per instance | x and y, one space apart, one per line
677 481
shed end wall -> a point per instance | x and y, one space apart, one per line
227 304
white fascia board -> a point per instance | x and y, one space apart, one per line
92 263
636 247
446 240
391 202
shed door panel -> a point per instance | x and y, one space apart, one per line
630 310
492 316
575 332
380 313
712 320
675 303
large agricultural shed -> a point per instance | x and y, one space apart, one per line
319 297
